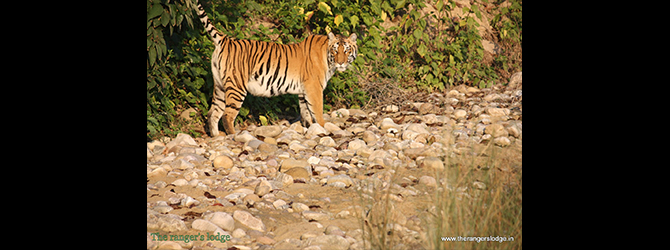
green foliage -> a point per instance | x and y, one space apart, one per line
420 50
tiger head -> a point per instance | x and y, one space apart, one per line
341 51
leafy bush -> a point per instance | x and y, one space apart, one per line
425 46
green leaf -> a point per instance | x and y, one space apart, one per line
325 8
354 21
418 34
152 55
155 11
244 111
264 120
338 20
422 50
165 19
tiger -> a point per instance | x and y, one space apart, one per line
241 67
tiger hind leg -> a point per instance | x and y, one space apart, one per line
216 110
235 95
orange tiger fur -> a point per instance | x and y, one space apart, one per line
268 69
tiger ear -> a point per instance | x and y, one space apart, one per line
352 37
331 36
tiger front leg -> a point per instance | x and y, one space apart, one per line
311 105
229 119
306 115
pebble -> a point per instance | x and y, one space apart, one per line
223 161
265 174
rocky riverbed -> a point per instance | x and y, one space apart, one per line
285 186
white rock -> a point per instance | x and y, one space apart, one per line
390 108
459 114
203 225
495 112
299 207
502 141
327 141
180 182
313 160
316 130
334 242
341 178
297 146
221 219
428 181
331 127
341 113
182 164
356 144
244 136
188 201
245 218
239 233
268 131
387 123
181 139
278 203
223 161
